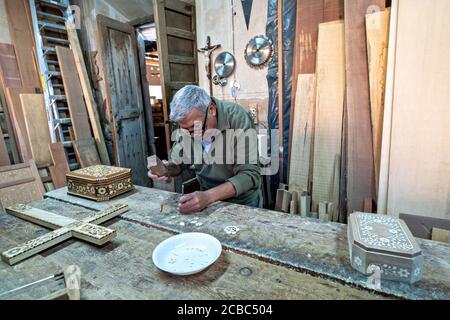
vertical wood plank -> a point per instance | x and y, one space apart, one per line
310 13
87 92
360 183
61 166
74 94
419 167
17 119
86 152
9 70
303 134
4 156
377 30
36 124
22 38
329 110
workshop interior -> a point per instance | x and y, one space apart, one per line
225 150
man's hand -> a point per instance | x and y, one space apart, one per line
194 202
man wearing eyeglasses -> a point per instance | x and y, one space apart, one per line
228 134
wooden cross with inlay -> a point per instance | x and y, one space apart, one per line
65 228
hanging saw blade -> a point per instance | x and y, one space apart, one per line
258 52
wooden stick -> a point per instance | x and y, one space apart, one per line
280 87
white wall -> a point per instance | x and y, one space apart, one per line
214 18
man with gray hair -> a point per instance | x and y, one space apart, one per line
225 129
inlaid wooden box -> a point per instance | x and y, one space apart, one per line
386 242
99 183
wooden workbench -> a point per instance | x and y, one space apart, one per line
273 256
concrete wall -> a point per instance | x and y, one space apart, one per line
4 29
214 18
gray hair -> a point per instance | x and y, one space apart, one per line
186 99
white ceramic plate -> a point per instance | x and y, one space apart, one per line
187 253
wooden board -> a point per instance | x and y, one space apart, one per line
4 156
74 94
86 152
422 227
87 92
440 235
118 51
61 167
36 124
329 111
360 169
418 145
20 184
22 38
300 171
310 13
377 30
17 119
9 70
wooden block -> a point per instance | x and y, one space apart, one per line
61 165
9 70
440 235
295 203
17 118
20 184
37 130
20 27
74 94
329 111
4 155
323 211
417 139
360 176
157 166
87 92
279 200
293 209
305 204
86 152
300 171
422 226
377 30
334 212
286 201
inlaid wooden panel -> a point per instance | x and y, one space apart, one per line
20 184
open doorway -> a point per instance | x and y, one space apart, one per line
153 75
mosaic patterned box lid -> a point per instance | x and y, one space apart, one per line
99 173
384 234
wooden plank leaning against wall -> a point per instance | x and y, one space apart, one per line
360 168
310 13
415 171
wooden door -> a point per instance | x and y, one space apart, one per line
118 52
177 49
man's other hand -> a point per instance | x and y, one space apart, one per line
194 202
155 177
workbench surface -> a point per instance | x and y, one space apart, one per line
273 256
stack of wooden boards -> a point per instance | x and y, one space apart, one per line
370 117
26 110
339 72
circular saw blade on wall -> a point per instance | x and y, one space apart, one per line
259 52
224 64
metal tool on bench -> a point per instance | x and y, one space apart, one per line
69 279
